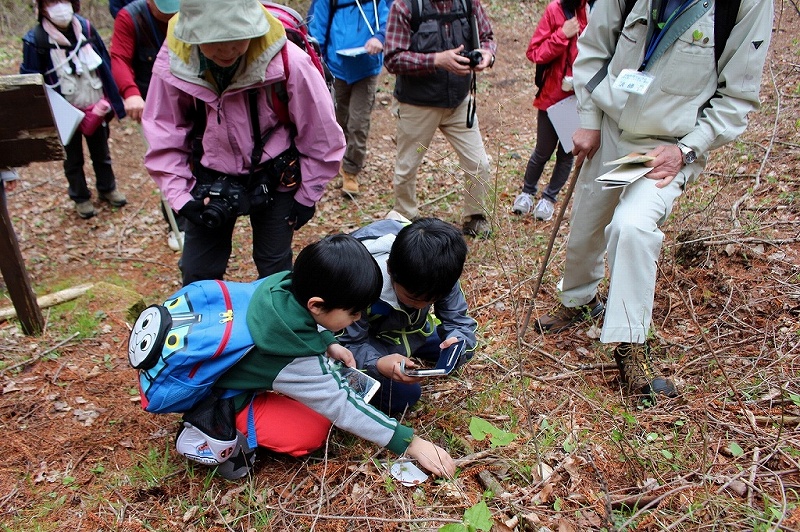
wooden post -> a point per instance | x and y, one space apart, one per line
16 277
28 133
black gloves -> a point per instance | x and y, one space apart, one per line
192 211
300 215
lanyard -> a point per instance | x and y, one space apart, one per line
657 38
364 16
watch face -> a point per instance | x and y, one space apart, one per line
689 157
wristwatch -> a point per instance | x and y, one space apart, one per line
689 156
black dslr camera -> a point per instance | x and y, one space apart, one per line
474 56
229 199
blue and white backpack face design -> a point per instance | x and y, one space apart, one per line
147 336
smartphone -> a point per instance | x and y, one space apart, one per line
448 358
364 385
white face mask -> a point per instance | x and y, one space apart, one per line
60 14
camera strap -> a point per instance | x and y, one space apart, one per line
472 103
259 141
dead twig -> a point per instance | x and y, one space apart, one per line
40 355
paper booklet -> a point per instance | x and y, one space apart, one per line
67 117
352 52
631 158
628 170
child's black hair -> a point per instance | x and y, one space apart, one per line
338 269
427 258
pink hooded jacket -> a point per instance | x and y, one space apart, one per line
228 138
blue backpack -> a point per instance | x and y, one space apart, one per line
182 347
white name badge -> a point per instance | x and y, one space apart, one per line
630 80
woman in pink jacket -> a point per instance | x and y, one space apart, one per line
239 122
554 44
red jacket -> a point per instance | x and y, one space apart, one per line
550 46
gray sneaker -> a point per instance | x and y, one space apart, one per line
523 204
85 209
544 210
114 197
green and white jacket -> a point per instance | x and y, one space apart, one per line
289 358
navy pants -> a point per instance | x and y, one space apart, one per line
206 251
101 162
394 397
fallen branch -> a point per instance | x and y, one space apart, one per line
50 300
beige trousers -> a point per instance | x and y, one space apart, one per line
416 126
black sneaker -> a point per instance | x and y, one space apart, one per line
241 461
639 376
562 317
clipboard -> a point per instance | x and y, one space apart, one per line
564 117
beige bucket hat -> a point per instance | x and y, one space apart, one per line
209 21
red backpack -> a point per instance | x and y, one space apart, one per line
296 31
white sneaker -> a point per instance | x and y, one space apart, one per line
523 204
544 209
172 241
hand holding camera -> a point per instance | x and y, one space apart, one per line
227 199
475 57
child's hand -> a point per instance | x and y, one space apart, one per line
389 367
447 343
431 457
342 354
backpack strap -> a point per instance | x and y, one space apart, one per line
725 16
724 20
278 93
416 15
43 45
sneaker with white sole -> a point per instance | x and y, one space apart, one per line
544 210
522 204
173 242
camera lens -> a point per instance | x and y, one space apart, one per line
215 214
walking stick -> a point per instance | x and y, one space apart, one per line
567 195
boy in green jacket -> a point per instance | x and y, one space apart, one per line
290 318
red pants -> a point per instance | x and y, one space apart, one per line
284 425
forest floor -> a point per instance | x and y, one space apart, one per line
78 453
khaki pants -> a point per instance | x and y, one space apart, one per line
416 126
353 108
624 222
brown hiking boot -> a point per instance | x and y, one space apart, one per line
349 184
477 226
114 197
85 209
639 376
562 317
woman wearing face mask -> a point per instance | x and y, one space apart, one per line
72 57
